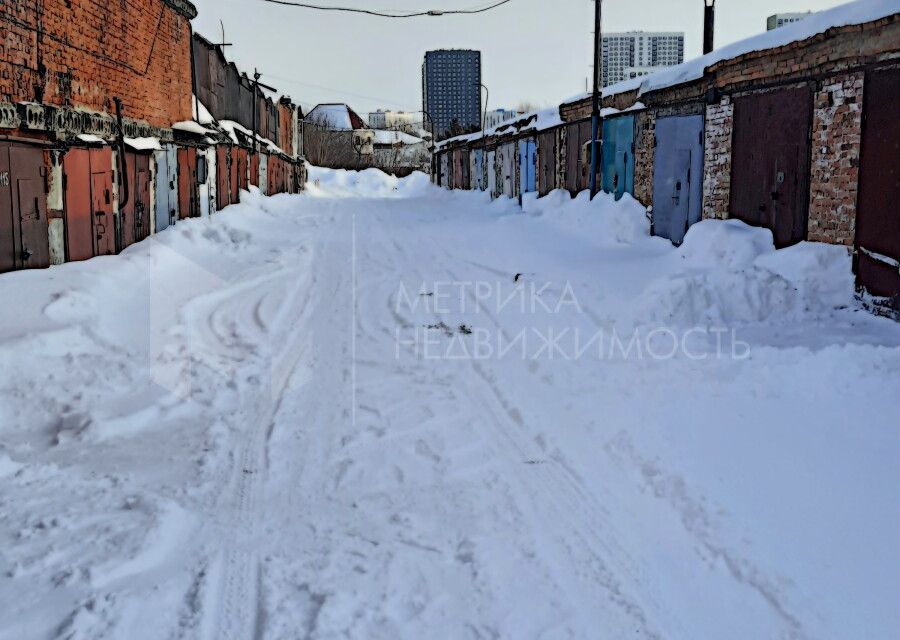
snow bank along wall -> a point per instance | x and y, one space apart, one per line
72 183
801 138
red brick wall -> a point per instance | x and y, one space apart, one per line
285 128
717 159
92 50
836 139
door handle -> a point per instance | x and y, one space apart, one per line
26 254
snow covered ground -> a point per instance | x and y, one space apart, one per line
382 410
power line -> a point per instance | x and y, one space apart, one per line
380 14
339 91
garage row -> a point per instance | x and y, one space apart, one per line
801 138
98 198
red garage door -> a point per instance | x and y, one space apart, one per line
878 215
770 162
23 208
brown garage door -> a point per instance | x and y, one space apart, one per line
878 215
23 208
79 226
546 162
770 162
188 195
577 171
223 173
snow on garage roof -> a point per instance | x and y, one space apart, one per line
853 13
383 136
335 116
533 121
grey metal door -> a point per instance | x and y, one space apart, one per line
509 169
492 173
677 176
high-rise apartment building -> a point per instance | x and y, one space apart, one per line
639 49
451 90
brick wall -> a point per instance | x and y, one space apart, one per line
285 126
644 156
836 138
717 159
81 53
827 53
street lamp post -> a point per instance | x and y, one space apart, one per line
709 19
487 97
433 143
595 106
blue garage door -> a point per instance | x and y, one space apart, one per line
677 176
617 157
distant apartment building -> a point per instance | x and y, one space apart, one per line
396 120
781 19
451 90
495 117
639 72
639 50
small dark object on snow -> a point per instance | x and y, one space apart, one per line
518 275
426 295
535 461
443 327
465 330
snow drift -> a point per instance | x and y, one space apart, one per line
729 272
604 219
367 183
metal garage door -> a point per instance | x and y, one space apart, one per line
527 165
23 208
223 174
617 156
90 224
770 162
508 169
477 168
188 196
492 173
546 174
578 134
134 216
878 215
677 176
140 195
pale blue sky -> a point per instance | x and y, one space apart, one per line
534 50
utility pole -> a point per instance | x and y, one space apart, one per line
256 95
595 107
709 22
256 76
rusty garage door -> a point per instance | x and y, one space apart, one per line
546 162
235 174
90 226
128 210
770 162
878 215
254 169
578 161
223 174
188 196
23 208
138 196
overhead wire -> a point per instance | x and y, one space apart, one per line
382 14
